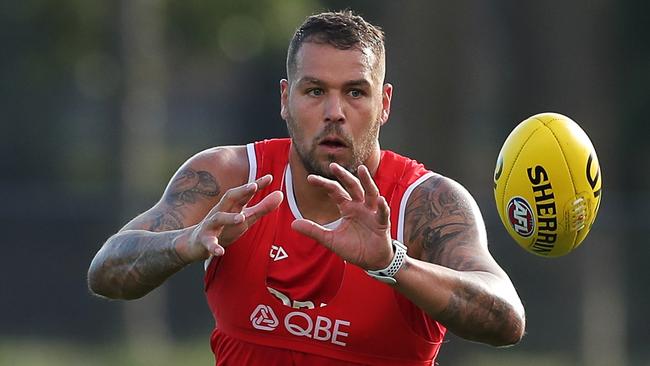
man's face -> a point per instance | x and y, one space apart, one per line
334 105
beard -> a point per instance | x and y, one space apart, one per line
359 151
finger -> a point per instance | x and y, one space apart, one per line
349 181
258 185
220 219
266 205
236 198
264 181
383 211
333 188
211 244
314 231
369 186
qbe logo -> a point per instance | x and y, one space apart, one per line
521 216
264 318
301 324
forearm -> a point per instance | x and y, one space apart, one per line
478 306
134 262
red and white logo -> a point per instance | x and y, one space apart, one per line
264 318
521 216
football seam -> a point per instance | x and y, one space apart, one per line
573 184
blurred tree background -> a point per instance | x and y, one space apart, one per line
102 101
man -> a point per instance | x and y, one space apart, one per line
322 249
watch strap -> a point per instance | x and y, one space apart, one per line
387 274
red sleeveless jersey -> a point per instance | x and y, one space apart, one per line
280 298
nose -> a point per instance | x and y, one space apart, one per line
334 109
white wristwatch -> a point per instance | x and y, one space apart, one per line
387 274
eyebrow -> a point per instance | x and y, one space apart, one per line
358 82
313 80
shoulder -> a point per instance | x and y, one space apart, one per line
438 188
440 215
228 166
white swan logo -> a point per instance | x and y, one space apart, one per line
264 318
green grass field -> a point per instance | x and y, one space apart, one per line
54 353
30 352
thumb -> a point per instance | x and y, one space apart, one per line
314 231
211 244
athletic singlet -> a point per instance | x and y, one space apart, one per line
364 321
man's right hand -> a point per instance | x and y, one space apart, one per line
228 220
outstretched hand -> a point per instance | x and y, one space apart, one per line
363 236
230 218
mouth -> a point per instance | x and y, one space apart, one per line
332 142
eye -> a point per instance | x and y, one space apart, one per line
315 92
355 93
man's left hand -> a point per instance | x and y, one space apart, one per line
363 235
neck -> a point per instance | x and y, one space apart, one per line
313 202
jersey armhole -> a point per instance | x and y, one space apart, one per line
402 206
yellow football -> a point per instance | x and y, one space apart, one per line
547 184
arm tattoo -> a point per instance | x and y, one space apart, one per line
187 188
438 219
166 221
487 314
135 262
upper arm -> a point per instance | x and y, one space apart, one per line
443 225
194 189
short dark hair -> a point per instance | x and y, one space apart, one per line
342 29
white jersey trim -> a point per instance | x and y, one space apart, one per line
252 162
402 205
291 199
252 173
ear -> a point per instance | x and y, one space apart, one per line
387 95
284 98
